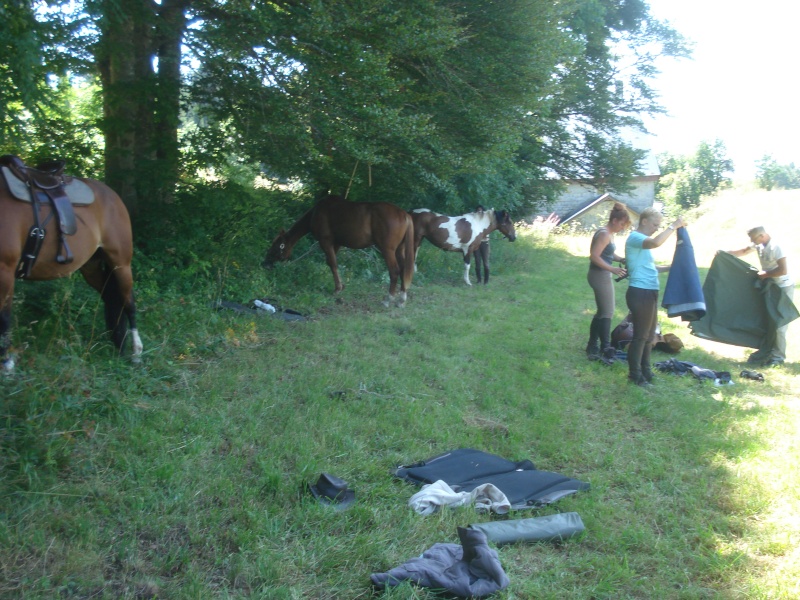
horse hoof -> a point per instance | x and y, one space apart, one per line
7 365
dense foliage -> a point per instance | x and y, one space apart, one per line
770 175
435 102
686 179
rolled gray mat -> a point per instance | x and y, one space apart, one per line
550 528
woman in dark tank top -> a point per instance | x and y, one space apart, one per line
602 255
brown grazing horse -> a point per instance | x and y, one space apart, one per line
335 222
460 234
101 248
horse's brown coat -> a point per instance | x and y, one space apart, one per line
335 222
102 249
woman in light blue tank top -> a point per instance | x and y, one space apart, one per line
642 294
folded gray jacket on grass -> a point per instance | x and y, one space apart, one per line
471 570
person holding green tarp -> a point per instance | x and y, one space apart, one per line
774 270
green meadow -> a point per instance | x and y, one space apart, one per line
185 476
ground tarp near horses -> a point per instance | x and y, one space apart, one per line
465 469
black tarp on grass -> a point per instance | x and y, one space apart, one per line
465 469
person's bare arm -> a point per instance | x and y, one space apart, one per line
741 251
656 241
779 271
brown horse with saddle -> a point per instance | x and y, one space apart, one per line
335 222
53 225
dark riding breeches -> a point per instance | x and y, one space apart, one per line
643 305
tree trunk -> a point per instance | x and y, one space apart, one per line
141 107
171 25
116 60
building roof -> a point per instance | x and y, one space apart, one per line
590 204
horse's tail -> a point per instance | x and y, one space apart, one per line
410 258
114 305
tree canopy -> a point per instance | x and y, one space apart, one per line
437 102
771 175
686 179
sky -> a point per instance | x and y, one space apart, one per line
741 86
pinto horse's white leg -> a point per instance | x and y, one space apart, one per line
137 346
401 299
466 272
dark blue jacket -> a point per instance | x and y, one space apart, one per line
683 296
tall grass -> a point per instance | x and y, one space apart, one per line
185 477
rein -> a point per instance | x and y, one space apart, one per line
307 252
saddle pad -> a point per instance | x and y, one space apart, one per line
525 489
77 191
458 466
466 468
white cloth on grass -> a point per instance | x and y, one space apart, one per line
437 494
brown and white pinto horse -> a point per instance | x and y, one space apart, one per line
335 222
460 234
101 249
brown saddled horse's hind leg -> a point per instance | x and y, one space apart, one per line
115 285
6 297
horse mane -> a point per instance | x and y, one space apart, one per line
301 227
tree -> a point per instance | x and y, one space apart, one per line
38 49
138 58
769 174
413 101
686 179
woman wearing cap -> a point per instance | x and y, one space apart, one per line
602 255
642 294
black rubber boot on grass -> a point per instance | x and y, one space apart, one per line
593 347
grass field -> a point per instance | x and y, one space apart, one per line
185 477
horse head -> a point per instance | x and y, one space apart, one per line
505 225
279 250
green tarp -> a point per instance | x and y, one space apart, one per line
740 308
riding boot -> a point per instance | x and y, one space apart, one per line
647 372
607 351
593 347
635 361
